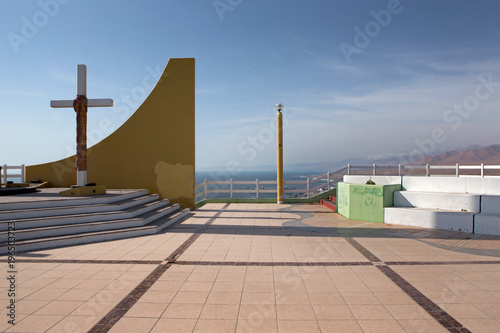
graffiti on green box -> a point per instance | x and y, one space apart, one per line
376 191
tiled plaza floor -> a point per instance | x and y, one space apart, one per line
262 268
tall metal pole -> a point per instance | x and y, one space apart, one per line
279 121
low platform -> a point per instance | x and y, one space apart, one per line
4 191
83 191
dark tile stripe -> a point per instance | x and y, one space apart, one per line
184 246
267 263
113 316
363 250
448 322
341 263
424 263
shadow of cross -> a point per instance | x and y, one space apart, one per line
80 104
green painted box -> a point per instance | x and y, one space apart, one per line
365 202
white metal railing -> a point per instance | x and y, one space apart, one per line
317 184
421 169
5 173
313 185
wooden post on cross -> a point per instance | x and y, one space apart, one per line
80 104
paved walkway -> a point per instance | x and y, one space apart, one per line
262 268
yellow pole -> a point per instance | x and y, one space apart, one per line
279 118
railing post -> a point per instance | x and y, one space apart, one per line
308 187
328 179
427 170
205 188
231 188
4 168
257 188
374 169
399 168
348 169
482 170
23 173
457 168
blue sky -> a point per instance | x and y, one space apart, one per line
357 78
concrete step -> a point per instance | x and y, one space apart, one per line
430 200
487 223
490 204
329 204
430 218
76 209
98 236
130 212
76 228
112 196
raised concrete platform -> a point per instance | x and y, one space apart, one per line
46 220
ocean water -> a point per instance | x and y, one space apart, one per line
253 176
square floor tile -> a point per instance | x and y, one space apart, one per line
295 312
137 325
174 325
215 326
220 311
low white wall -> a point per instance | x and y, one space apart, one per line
448 201
450 184
379 180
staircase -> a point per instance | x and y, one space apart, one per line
445 211
56 223
330 203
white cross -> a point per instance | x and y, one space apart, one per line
82 91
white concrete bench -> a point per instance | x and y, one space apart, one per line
445 201
488 221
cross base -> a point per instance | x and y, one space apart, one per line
83 191
81 178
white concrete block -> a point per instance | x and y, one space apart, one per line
379 180
488 224
446 201
490 204
451 184
428 218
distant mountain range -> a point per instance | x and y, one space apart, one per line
474 154
486 155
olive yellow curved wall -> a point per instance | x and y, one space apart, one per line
154 149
